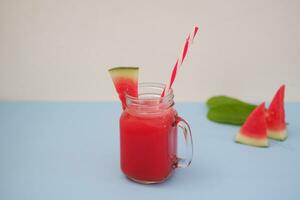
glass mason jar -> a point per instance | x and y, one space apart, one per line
148 136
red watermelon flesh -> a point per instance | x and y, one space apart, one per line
275 116
254 130
126 82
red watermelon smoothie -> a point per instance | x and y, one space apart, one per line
148 136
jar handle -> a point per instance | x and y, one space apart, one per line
184 126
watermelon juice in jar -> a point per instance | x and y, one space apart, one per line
148 135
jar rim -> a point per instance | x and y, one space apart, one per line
160 86
149 100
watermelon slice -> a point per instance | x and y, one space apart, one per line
254 130
275 117
126 82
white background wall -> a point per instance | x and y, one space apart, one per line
61 49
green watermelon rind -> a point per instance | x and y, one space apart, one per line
220 100
243 139
235 114
279 135
124 72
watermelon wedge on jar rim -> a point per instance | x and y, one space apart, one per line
254 130
275 117
126 82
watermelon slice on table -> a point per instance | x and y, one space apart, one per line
254 130
126 81
275 117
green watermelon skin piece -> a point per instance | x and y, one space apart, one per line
275 116
125 81
254 130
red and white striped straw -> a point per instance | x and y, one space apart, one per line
188 42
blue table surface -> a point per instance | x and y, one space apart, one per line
71 151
